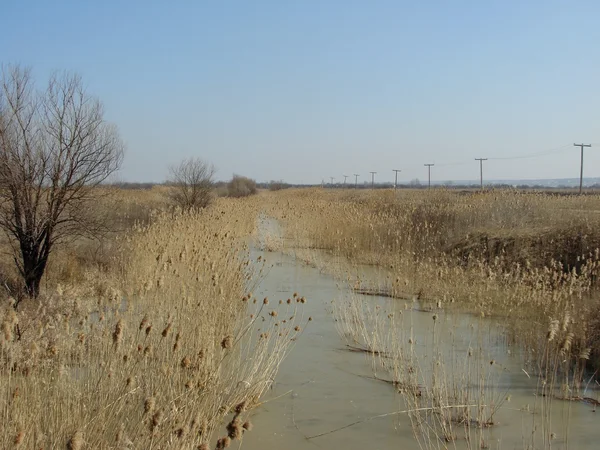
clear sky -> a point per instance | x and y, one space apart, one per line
306 90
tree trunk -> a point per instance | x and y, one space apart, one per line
34 265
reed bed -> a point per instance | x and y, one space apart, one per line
525 258
163 347
526 262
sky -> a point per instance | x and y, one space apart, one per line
307 90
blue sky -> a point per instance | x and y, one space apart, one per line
306 90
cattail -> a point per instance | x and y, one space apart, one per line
302 300
297 328
310 319
266 301
148 329
76 441
118 333
203 446
241 407
289 301
222 443
149 405
186 362
165 332
227 342
144 322
234 429
176 344
156 420
280 302
248 425
181 432
19 437
273 313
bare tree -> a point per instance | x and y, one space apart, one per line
55 149
191 184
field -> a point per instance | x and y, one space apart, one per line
152 337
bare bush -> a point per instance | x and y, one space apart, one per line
55 149
240 186
191 184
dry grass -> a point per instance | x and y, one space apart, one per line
529 260
160 346
508 254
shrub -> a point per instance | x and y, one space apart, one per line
278 185
240 186
191 184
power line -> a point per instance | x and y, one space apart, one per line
535 155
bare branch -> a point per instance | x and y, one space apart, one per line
191 184
55 147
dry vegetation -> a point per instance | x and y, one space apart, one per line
529 261
155 341
241 186
497 253
150 337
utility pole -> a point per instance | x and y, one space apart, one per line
481 160
345 176
429 174
581 171
356 180
332 178
372 179
396 179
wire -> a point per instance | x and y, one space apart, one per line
531 155
537 154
